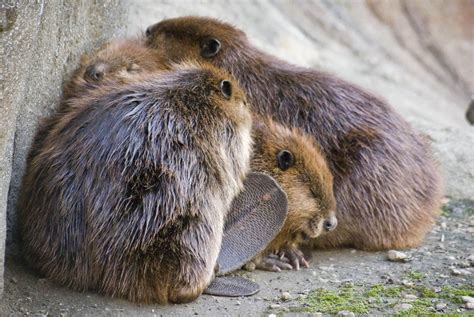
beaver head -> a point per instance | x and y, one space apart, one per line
120 61
300 168
197 38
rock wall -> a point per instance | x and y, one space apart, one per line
41 42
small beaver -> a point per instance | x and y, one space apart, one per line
128 193
386 182
300 168
119 60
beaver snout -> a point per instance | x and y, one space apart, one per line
95 72
330 224
148 31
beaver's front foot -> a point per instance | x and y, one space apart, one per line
285 259
295 257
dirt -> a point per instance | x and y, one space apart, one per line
434 280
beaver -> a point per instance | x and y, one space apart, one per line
300 168
128 193
386 182
119 60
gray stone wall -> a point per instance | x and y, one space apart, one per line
41 42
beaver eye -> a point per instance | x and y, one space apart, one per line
210 47
226 88
285 160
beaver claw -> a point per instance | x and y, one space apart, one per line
274 263
295 257
287 259
271 262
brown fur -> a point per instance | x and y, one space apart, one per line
308 183
127 192
386 183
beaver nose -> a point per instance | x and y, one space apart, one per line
148 31
330 223
95 72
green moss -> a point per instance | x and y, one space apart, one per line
414 275
393 291
327 301
376 290
425 291
377 297
446 210
454 294
385 291
421 307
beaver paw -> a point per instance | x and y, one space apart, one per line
295 257
273 263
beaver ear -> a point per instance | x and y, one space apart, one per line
285 159
210 47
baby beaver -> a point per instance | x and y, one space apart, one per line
120 60
300 168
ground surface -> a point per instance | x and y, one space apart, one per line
438 273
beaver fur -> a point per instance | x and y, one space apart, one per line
128 191
386 182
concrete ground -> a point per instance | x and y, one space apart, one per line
439 274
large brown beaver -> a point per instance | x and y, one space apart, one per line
300 168
386 182
127 194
